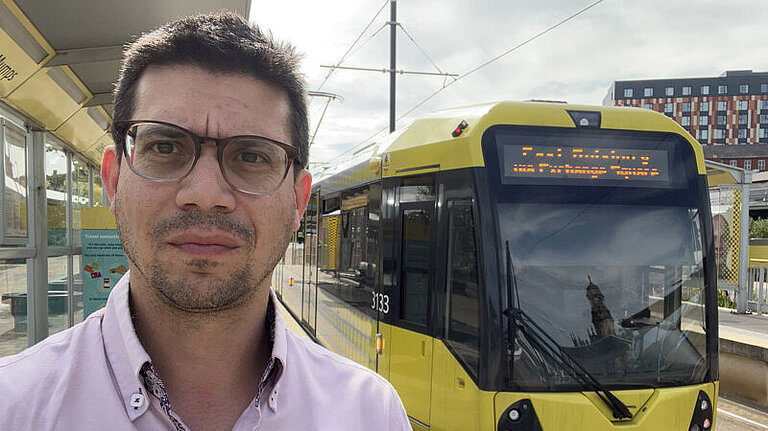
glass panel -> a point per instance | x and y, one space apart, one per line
99 197
626 313
56 193
463 284
415 273
13 306
57 294
77 288
15 193
80 198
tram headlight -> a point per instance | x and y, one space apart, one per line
519 416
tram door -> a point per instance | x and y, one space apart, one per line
410 345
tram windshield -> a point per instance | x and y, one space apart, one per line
619 287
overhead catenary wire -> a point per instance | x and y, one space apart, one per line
475 69
346 54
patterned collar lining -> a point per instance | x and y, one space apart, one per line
154 384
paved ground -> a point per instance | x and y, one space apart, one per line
744 328
734 416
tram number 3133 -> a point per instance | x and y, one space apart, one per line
380 302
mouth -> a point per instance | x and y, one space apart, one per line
203 243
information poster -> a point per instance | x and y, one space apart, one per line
104 261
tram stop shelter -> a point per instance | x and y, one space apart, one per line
59 61
729 198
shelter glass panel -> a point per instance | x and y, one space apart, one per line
13 306
15 183
58 293
80 196
56 194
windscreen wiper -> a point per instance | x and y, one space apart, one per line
549 348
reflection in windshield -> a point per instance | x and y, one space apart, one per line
620 287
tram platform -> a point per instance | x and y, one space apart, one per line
744 356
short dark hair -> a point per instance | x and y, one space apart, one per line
222 43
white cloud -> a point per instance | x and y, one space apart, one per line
615 40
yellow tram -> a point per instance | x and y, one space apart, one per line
520 266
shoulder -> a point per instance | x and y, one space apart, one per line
48 363
359 395
325 363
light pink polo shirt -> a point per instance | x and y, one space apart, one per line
87 378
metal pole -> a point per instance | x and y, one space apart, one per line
392 63
741 296
37 267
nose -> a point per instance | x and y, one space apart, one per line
205 188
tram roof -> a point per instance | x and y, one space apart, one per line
66 55
428 144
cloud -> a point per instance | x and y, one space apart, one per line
577 62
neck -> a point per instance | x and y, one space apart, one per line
208 361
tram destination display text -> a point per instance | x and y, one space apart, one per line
590 163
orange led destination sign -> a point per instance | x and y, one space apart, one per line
591 163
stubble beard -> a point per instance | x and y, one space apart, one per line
201 297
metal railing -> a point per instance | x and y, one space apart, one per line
757 289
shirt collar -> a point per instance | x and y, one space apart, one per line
127 356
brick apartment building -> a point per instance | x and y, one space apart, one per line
728 114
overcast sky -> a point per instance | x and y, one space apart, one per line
615 40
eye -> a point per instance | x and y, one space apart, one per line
251 157
163 147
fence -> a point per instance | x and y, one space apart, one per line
757 289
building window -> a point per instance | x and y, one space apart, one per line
743 88
647 92
721 120
742 133
742 105
742 119
669 91
748 165
686 106
704 120
704 90
668 107
722 89
763 118
686 91
722 105
704 106
628 92
685 121
734 163
764 88
647 106
761 165
762 104
719 133
703 134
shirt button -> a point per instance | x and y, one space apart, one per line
137 400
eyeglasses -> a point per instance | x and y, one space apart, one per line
164 152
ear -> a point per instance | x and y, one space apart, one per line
302 188
110 173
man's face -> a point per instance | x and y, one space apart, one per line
199 243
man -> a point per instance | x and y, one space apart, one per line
207 184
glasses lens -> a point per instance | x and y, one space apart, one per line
254 165
160 151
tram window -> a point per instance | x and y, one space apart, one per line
463 326
415 273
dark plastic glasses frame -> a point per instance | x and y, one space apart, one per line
122 128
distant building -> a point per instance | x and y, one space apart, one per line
728 114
